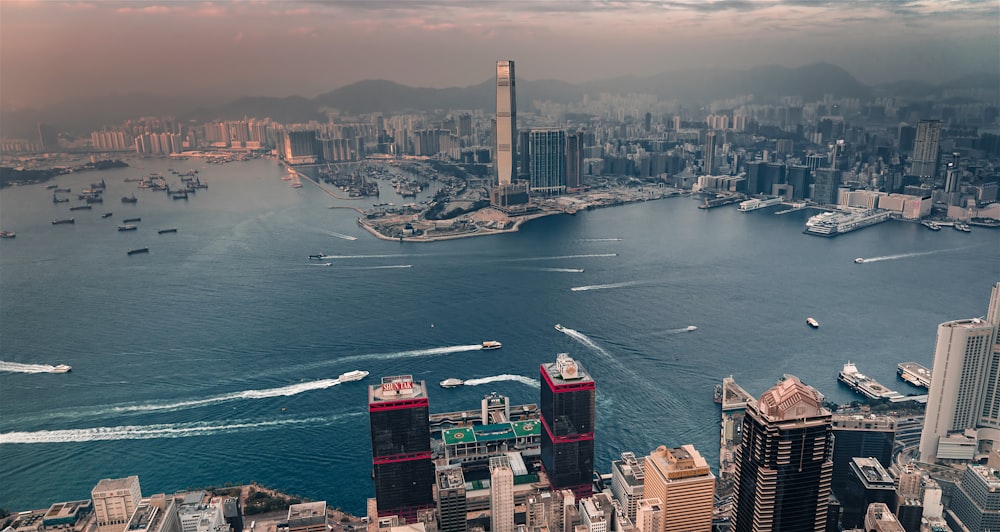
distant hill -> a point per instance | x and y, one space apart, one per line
689 87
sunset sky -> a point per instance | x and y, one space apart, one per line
52 51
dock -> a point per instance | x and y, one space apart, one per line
914 373
871 388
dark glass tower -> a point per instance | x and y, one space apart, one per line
401 446
567 404
784 465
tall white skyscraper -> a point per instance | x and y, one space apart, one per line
501 495
506 134
965 381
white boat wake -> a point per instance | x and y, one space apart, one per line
562 257
170 430
904 255
600 240
563 270
389 267
343 236
321 264
17 367
386 256
585 340
689 328
604 286
528 381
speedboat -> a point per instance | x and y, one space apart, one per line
812 323
559 327
354 375
316 256
859 260
690 328
491 344
452 383
61 368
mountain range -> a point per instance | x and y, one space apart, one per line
692 87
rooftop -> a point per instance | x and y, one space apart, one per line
566 371
110 484
397 388
791 399
494 432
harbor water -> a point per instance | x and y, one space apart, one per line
213 358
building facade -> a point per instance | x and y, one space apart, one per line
115 500
401 446
547 160
925 149
965 382
681 479
567 408
627 480
506 129
451 502
784 461
501 495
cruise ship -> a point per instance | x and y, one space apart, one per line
831 224
491 344
914 373
354 375
863 384
753 204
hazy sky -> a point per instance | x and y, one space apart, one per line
51 51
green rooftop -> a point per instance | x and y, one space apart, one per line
493 432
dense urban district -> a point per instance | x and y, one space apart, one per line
789 460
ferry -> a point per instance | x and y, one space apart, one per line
933 226
812 323
831 224
753 204
127 227
7 234
61 368
137 251
66 221
863 384
962 227
491 344
914 374
452 383
354 375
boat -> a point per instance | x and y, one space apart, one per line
138 250
962 227
753 204
915 374
830 224
164 231
812 323
130 220
559 327
296 185
933 226
61 368
7 234
717 399
354 375
106 215
859 260
491 344
81 208
316 256
452 383
130 199
690 328
127 227
65 221
56 199
50 187
863 384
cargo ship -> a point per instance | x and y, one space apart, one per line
914 373
830 224
863 384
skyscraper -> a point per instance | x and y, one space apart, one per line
783 464
627 479
975 501
115 500
547 152
681 479
501 495
925 148
567 407
574 160
401 446
451 502
506 136
826 182
709 153
965 383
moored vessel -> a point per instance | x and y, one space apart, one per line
66 221
138 250
130 220
863 384
164 231
81 208
106 215
914 373
354 375
452 383
130 199
127 227
491 344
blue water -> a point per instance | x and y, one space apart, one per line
211 359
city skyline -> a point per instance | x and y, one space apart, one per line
232 48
